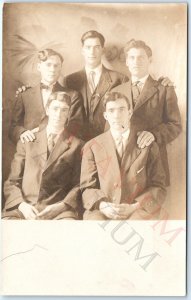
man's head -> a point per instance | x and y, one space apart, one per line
138 58
92 48
57 109
117 111
49 65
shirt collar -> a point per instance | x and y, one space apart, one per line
49 131
115 134
97 70
142 80
50 86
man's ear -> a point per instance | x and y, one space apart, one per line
47 110
150 59
38 67
105 115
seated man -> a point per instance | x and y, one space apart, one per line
30 106
45 174
119 180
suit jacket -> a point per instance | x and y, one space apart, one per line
95 123
139 178
28 111
41 181
157 111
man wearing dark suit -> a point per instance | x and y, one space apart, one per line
93 82
119 180
30 106
156 115
45 174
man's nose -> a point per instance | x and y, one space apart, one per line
116 113
58 113
52 68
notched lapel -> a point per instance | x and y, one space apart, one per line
39 148
131 154
62 145
104 85
149 89
37 100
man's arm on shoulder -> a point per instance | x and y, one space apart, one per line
153 196
170 128
92 195
13 185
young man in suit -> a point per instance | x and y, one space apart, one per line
44 180
156 115
30 106
93 82
119 180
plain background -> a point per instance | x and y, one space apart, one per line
29 27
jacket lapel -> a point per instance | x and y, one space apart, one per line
37 101
103 86
131 152
149 89
39 148
61 146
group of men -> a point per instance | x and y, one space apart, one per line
100 137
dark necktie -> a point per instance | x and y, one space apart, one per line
44 86
135 91
51 142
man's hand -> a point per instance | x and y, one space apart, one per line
51 211
123 211
28 135
145 138
165 81
22 89
29 211
108 210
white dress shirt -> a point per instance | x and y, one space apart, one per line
97 70
46 93
141 81
125 135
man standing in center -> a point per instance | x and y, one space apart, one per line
93 82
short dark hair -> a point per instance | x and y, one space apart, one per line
92 34
59 96
43 55
137 44
113 96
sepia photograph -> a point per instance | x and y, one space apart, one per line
94 110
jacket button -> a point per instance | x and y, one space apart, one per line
115 185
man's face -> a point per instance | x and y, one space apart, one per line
92 51
118 115
57 113
138 62
50 69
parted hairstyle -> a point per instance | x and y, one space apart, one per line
43 55
114 96
137 44
59 96
93 34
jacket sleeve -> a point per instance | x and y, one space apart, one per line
17 120
153 197
171 126
77 115
13 185
89 181
73 197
